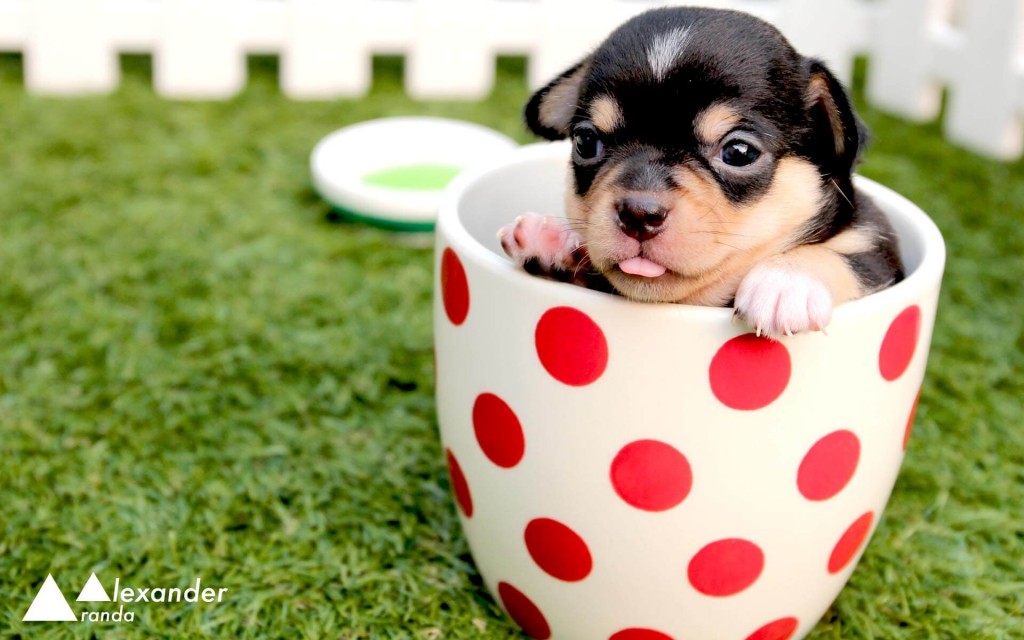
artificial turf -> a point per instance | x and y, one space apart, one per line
202 374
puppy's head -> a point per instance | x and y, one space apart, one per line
702 142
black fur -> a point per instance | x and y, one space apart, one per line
791 106
880 267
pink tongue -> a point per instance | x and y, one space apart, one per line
642 267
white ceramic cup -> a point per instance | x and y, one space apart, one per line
648 471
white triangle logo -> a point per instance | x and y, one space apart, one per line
93 591
49 605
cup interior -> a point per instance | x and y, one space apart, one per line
534 178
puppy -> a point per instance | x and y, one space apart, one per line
711 165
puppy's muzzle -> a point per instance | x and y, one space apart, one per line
641 218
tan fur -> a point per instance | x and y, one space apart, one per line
559 105
606 114
823 263
714 122
600 197
709 243
852 241
818 93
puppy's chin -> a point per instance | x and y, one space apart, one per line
668 287
690 275
685 258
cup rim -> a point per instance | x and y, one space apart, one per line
451 232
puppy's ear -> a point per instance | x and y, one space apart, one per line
839 135
549 112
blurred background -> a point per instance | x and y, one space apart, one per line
205 371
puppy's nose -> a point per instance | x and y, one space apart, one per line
640 217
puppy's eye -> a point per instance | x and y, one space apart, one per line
739 153
587 145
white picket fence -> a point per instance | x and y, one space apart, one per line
975 48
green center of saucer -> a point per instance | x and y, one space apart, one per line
418 177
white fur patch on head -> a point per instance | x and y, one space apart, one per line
666 49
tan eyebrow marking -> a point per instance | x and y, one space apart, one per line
606 114
714 122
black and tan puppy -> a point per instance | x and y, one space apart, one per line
711 165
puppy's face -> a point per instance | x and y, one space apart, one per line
702 142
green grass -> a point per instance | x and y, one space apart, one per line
202 375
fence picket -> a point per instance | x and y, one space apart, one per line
70 50
199 47
13 25
451 55
323 55
565 34
198 52
902 57
833 31
984 113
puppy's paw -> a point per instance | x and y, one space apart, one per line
779 301
541 244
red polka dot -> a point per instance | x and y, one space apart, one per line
524 612
558 550
640 634
899 343
571 346
910 420
459 485
454 287
749 372
498 430
726 567
781 629
829 465
651 475
850 543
